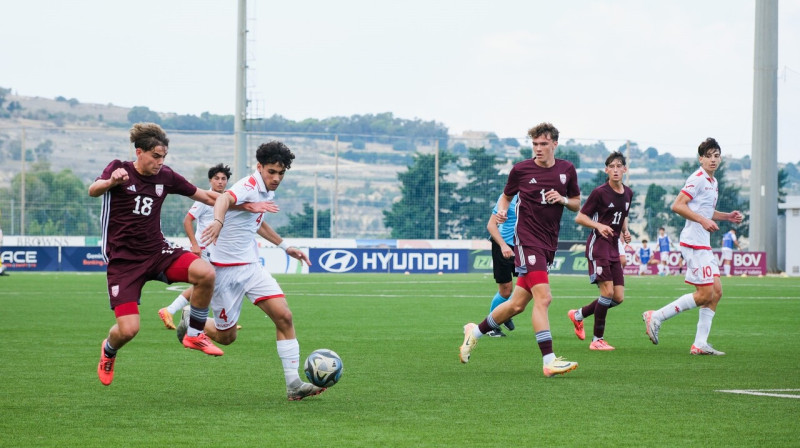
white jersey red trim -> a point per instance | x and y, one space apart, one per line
236 244
702 191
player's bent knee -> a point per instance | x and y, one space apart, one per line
542 301
128 333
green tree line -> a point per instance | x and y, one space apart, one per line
382 127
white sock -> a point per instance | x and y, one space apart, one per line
177 304
547 359
683 303
578 314
727 269
704 319
476 332
289 352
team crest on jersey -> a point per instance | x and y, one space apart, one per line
115 290
563 178
250 184
531 259
627 204
599 270
159 189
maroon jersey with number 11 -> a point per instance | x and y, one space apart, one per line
608 207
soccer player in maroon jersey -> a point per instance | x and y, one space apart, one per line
545 186
136 250
606 213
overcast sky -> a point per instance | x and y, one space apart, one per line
662 73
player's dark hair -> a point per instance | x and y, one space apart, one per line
708 145
147 136
661 228
614 156
219 168
644 241
543 128
274 152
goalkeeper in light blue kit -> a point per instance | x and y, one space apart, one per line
502 237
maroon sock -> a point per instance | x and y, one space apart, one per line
588 310
545 341
600 312
484 326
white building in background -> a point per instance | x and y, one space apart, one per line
788 234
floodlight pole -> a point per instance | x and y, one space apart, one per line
436 190
240 115
764 168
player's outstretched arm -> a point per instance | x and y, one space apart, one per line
207 197
269 234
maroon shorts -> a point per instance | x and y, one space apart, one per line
127 277
606 271
533 265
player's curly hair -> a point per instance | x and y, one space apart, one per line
708 145
219 168
147 136
543 128
274 152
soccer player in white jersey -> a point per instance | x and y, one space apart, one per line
696 202
230 238
218 176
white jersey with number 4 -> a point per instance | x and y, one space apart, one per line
236 244
702 190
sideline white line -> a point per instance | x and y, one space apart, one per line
764 392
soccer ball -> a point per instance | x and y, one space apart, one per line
323 367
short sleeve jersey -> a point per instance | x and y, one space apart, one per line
728 240
131 212
236 244
702 191
538 221
204 214
606 206
663 243
507 228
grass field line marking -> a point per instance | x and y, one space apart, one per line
764 392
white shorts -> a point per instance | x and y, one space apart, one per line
727 253
235 282
664 255
701 266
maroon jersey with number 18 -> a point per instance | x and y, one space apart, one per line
131 214
538 221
